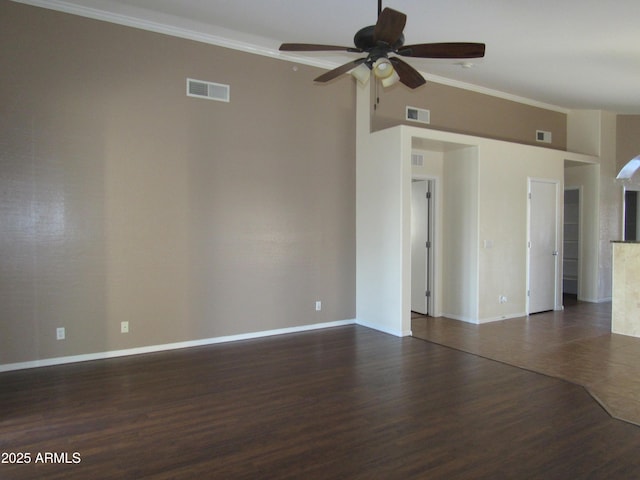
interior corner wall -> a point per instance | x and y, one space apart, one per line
610 205
587 179
594 132
584 132
123 199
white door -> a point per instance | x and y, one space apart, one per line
419 239
543 245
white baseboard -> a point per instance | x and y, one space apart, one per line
501 317
479 321
596 300
396 333
461 318
46 362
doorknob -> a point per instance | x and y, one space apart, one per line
555 253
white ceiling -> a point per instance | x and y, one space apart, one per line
565 53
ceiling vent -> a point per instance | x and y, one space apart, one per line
418 115
417 160
209 90
542 136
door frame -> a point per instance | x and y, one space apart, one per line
625 189
557 303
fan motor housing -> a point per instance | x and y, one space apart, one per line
363 40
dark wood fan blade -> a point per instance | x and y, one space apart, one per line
408 75
336 72
310 47
389 26
443 50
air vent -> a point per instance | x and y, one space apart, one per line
417 160
542 136
418 115
209 90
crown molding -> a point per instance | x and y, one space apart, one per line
172 30
221 41
494 93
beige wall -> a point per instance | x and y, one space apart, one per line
463 111
627 140
122 199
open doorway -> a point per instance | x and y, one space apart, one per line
422 246
571 247
631 212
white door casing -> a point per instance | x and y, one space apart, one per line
419 238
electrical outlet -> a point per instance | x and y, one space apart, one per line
318 306
60 333
124 327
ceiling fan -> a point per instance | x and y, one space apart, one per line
382 39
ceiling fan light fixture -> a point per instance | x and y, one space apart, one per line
362 73
391 79
382 68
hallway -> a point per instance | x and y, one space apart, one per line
575 345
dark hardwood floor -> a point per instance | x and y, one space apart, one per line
347 403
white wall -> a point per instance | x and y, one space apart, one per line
379 225
504 172
484 197
460 234
483 223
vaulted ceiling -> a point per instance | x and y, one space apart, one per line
581 54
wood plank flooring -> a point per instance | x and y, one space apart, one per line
575 344
341 403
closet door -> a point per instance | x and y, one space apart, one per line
543 245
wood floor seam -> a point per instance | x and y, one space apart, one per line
575 345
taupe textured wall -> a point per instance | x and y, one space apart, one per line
122 199
463 111
627 141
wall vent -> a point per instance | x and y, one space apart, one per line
542 136
418 115
210 90
417 160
